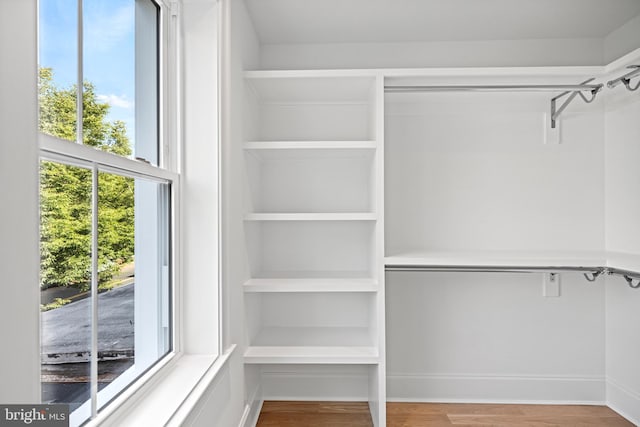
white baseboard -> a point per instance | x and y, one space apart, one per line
624 401
252 409
464 388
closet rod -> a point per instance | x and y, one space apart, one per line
491 269
628 275
626 79
495 88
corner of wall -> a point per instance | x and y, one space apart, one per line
623 40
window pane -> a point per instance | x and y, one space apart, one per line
58 51
133 303
120 72
65 272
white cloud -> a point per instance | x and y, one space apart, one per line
115 101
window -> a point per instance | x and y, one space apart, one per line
106 200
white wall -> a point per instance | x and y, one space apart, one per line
224 402
494 338
19 257
622 41
469 172
472 172
199 176
622 130
242 50
499 53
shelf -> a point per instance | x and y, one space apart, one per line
309 145
310 217
311 274
311 285
337 345
311 355
539 259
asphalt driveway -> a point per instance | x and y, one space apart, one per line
66 331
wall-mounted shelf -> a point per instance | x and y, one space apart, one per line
311 274
309 145
311 285
534 259
310 217
311 355
329 345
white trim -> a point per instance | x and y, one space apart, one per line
224 83
623 400
245 415
132 394
55 148
94 290
497 388
252 409
501 401
169 394
171 391
203 384
80 73
431 72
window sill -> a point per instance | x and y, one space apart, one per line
169 397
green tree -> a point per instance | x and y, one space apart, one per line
65 192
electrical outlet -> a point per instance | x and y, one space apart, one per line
551 285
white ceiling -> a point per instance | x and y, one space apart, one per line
364 21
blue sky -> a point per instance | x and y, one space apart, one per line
109 49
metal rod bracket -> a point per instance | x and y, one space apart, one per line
630 282
626 79
591 277
556 111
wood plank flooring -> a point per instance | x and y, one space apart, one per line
356 414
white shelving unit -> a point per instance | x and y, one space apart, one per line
500 258
313 224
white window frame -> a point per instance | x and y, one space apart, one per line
171 392
76 153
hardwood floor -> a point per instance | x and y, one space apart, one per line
356 414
